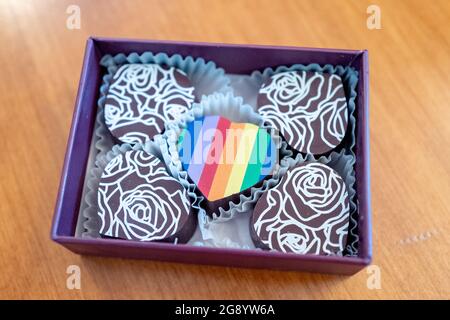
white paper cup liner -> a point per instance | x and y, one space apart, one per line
205 76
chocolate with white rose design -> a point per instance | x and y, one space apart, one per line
307 212
142 98
138 200
308 108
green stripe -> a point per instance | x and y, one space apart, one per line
181 138
253 171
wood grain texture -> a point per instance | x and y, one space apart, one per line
410 138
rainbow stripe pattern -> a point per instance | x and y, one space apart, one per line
223 157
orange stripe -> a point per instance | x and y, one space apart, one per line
223 172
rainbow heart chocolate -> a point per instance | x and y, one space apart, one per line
224 158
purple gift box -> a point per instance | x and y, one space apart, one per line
238 59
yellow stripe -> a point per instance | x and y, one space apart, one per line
242 158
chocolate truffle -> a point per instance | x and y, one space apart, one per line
142 98
138 200
224 158
307 212
308 108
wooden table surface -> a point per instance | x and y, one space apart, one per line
410 137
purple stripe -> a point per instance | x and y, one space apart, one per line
197 161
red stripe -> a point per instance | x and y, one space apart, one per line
209 170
